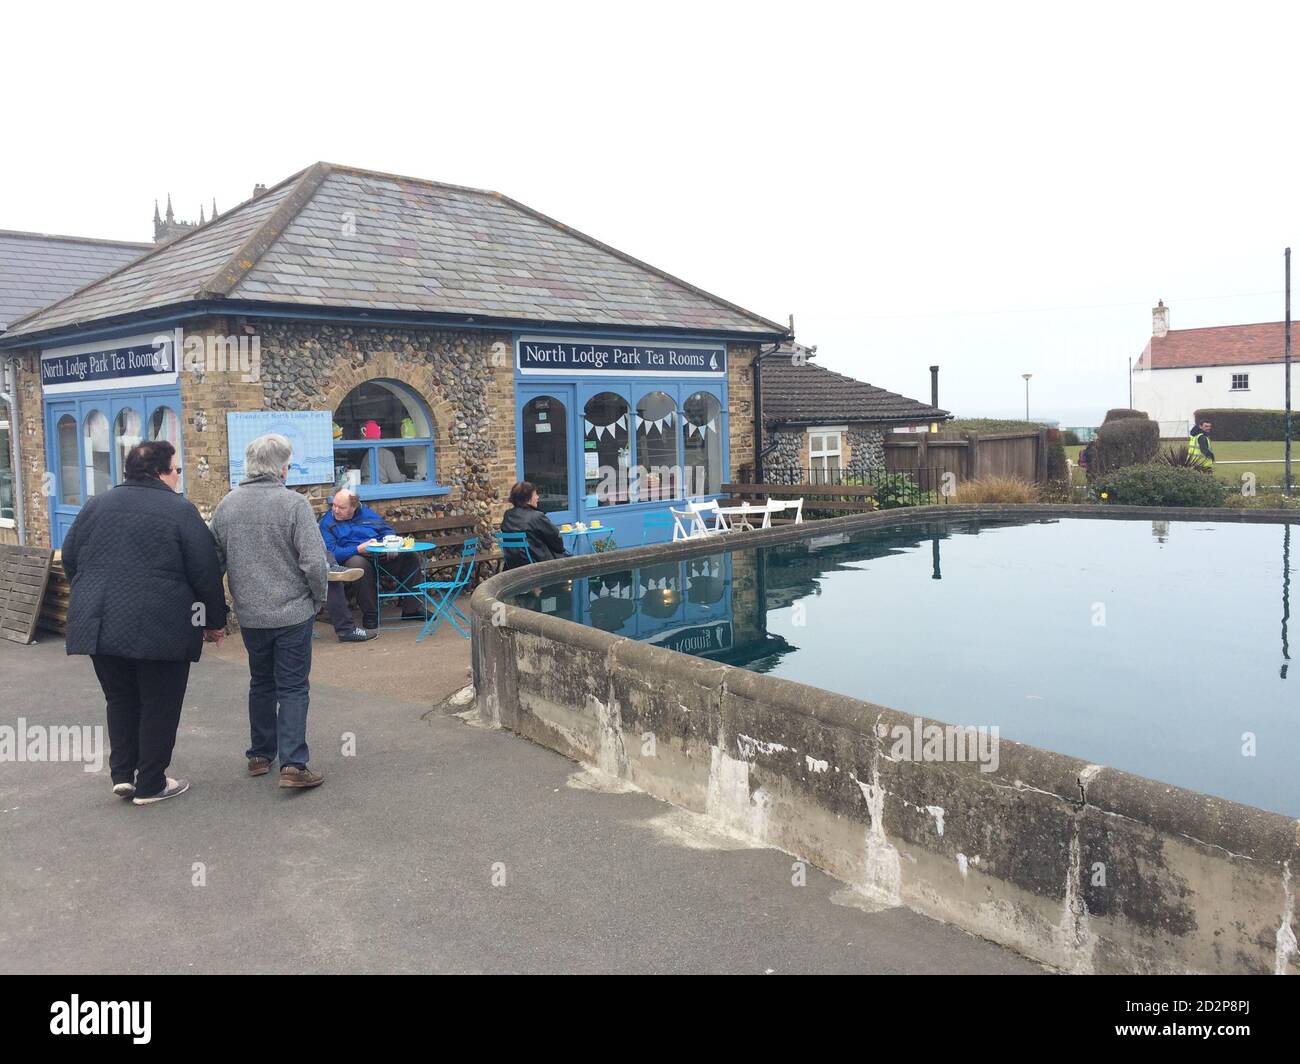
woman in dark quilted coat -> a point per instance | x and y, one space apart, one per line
146 590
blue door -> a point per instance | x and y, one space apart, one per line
548 444
63 481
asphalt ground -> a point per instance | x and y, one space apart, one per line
433 846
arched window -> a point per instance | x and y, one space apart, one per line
605 425
546 451
383 441
656 447
95 437
126 434
69 462
702 439
165 425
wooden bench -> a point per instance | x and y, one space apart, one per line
838 498
446 532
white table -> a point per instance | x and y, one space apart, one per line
745 511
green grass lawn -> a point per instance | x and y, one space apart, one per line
1224 451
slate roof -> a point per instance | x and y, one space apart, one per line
1220 345
340 237
37 268
806 393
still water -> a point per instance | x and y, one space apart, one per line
1159 648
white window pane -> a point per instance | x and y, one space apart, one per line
95 441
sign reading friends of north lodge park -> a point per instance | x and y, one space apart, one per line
546 354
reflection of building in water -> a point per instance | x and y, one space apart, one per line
716 606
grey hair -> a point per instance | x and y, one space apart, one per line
267 456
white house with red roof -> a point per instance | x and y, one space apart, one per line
1181 371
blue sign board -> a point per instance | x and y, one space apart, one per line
698 639
549 355
310 433
141 360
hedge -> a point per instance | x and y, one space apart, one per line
1123 442
1160 485
1248 424
1119 413
1057 468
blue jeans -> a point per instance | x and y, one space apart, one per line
279 661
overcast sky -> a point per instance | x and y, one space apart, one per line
999 189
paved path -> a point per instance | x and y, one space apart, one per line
389 866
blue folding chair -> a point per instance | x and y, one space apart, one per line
652 521
441 594
514 541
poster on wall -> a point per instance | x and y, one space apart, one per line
309 432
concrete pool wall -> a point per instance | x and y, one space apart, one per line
1082 867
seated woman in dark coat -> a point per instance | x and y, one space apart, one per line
544 541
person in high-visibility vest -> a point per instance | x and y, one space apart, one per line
1198 443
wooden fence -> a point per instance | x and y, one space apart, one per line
968 456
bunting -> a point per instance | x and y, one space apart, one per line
667 421
702 430
605 430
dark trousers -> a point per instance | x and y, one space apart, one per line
279 663
144 709
403 566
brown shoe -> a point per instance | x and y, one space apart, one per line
300 777
259 766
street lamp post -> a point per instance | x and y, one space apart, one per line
1026 376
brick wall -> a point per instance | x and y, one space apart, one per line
29 433
464 377
740 405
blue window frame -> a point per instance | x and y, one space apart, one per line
637 422
384 438
87 435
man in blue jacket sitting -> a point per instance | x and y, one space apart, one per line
350 530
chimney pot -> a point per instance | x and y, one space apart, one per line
1159 319
259 190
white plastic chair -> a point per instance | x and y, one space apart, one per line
711 507
790 504
688 524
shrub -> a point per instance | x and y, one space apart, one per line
1057 469
1249 424
988 424
1182 458
896 489
1123 442
1070 438
1160 485
1057 491
1121 413
996 489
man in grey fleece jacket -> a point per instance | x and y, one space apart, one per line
273 554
